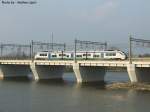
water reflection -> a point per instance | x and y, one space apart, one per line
96 85
17 79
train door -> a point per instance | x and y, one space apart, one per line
102 55
72 55
49 55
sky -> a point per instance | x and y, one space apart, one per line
109 21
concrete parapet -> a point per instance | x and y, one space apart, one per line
7 71
47 71
137 74
88 73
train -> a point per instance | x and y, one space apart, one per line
80 55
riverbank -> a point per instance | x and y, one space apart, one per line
128 85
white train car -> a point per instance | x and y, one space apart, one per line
109 54
44 55
61 55
84 54
114 54
56 55
81 55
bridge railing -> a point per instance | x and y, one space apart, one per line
15 58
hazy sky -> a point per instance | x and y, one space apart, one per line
96 20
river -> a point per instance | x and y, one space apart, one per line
22 95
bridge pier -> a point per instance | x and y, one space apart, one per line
47 71
137 74
88 73
7 71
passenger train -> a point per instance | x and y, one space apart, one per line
69 55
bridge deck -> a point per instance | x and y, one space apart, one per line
107 63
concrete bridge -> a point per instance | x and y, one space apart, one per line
85 70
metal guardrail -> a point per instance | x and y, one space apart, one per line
141 59
15 58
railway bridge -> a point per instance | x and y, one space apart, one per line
85 70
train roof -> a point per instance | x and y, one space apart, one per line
80 51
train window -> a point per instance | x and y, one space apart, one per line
84 54
88 54
54 56
43 54
107 54
121 53
113 54
79 56
60 54
110 54
96 56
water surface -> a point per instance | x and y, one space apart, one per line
18 95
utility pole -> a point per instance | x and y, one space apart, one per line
1 50
64 47
52 41
105 46
75 50
32 51
130 50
